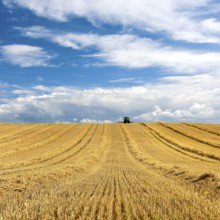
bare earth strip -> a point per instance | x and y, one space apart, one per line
110 171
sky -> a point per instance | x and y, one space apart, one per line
87 61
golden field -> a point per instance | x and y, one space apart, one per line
110 171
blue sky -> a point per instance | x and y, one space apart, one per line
97 61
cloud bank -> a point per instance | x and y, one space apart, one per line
176 98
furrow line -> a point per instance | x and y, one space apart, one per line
52 135
12 128
175 146
95 185
16 136
191 150
190 136
185 174
80 149
174 151
202 128
54 157
128 182
145 186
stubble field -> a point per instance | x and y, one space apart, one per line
110 171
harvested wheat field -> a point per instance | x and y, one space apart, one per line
110 171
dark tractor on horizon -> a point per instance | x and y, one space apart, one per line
127 120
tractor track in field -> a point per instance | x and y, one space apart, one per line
84 146
6 129
202 128
191 136
175 151
48 138
17 136
181 173
176 147
182 147
52 158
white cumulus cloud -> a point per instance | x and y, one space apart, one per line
195 112
176 98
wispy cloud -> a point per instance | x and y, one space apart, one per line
131 51
180 20
40 79
25 55
132 79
